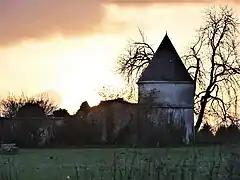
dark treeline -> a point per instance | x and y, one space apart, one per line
29 133
36 122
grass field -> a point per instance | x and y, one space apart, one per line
51 164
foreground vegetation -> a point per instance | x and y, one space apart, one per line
218 162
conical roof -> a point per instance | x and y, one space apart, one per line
166 65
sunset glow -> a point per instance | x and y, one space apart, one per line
73 65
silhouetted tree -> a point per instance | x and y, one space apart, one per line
26 133
60 113
212 61
83 111
205 135
30 110
228 134
11 105
110 93
85 107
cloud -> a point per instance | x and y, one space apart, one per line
157 1
40 18
150 2
34 19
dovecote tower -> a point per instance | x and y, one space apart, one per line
174 88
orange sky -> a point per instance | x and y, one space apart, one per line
69 50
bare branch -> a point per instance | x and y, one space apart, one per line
212 61
11 104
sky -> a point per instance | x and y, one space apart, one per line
69 49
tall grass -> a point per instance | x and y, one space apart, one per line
221 165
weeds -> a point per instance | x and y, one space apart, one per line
138 166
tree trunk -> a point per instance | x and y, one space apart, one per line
201 113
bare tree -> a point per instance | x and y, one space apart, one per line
61 113
132 62
11 104
110 93
212 61
30 110
135 59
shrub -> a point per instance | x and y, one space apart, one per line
205 135
228 134
74 132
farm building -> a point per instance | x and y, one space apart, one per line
173 87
